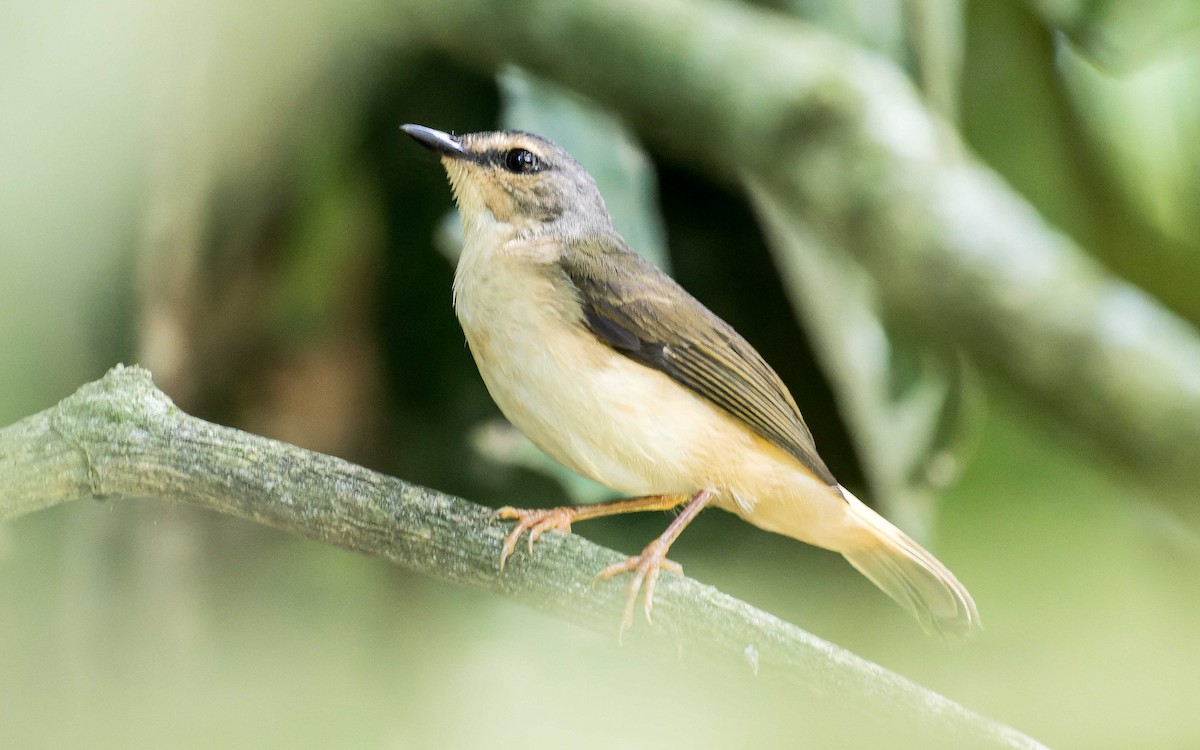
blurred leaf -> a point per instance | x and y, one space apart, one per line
1017 73
907 411
1146 125
937 35
878 24
923 36
1122 35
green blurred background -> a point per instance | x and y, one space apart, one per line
219 191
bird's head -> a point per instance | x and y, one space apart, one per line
515 178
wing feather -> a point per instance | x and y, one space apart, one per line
642 313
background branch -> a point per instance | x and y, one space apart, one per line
122 437
957 255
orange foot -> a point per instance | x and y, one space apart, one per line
536 522
646 568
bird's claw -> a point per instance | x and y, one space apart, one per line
646 568
536 522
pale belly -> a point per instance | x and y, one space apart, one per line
627 426
593 415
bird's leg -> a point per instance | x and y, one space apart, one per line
538 522
647 566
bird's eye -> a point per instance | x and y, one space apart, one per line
520 161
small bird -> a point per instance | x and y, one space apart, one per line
615 371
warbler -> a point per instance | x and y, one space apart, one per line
615 371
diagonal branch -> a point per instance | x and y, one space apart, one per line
122 437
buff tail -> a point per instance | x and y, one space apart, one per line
910 575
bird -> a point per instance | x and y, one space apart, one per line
615 371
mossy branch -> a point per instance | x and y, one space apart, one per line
122 437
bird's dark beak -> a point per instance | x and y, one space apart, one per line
436 141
